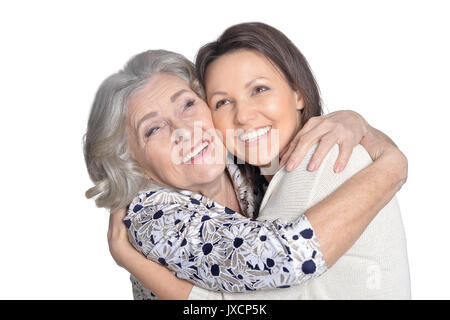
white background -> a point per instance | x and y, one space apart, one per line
388 60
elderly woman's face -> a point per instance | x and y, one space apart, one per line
172 136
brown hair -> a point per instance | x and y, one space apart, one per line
275 46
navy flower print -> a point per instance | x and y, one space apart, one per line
217 248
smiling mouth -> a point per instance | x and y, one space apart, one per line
198 151
254 135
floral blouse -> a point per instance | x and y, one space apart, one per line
217 248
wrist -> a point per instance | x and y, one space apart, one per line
378 144
364 124
123 253
381 136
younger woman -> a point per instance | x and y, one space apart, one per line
256 80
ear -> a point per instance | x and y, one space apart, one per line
300 102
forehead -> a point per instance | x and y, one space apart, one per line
239 66
157 91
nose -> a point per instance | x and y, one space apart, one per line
181 134
244 113
187 132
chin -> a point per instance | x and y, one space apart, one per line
264 164
262 161
208 172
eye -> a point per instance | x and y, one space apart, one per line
221 103
151 131
189 104
260 89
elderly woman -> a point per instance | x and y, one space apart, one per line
190 214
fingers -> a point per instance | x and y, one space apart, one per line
343 127
321 152
345 151
283 160
286 155
283 152
300 147
297 155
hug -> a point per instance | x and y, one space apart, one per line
226 181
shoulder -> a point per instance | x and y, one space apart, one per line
163 204
325 174
288 193
160 196
147 198
156 201
158 214
359 159
327 181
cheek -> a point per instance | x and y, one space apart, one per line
156 157
280 107
205 115
138 154
221 122
284 116
207 119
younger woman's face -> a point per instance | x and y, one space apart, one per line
250 98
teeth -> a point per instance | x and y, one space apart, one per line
254 134
195 152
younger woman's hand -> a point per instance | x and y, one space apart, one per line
155 277
346 128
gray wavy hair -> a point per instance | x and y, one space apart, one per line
116 175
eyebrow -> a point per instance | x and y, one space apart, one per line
218 92
246 86
177 94
146 117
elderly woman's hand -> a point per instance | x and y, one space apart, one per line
119 246
380 145
346 128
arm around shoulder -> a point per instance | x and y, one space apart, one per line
354 196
